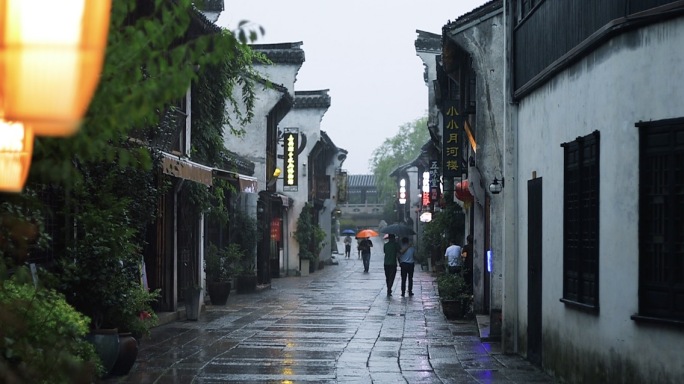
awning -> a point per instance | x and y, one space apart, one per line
285 199
183 168
246 184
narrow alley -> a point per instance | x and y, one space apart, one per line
334 326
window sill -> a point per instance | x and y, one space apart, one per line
658 320
592 309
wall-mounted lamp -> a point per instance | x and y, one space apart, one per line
51 61
272 180
495 187
303 169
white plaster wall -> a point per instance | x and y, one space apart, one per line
281 74
632 78
430 63
252 144
308 121
485 43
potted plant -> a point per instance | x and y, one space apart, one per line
220 266
311 239
454 295
243 233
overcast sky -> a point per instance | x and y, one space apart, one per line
363 52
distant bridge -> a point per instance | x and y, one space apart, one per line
363 215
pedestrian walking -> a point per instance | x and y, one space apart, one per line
347 246
391 249
467 254
358 245
365 248
407 264
453 256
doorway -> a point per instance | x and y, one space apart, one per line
534 271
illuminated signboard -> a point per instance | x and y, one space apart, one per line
291 161
435 187
426 189
451 142
402 191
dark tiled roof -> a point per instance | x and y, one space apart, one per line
428 41
312 99
235 162
282 53
211 5
473 15
201 25
361 181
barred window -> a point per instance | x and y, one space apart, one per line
581 222
661 219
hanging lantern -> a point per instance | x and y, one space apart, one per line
16 147
51 55
462 191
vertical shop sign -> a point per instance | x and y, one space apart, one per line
434 181
451 142
342 187
276 229
291 160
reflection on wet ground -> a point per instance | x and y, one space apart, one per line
335 326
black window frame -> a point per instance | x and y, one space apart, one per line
581 195
661 221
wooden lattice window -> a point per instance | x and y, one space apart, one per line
581 222
661 219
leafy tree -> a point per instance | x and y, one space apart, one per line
309 235
396 151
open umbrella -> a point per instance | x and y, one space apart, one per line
348 232
398 230
367 233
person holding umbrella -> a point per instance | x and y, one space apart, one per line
391 249
365 246
347 246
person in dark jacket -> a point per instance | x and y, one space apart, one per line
391 249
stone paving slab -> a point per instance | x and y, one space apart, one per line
336 325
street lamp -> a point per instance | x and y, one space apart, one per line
495 187
51 55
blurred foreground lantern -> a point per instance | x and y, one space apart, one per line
51 55
463 192
16 147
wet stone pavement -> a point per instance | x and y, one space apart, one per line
336 325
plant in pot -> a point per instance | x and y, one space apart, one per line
454 295
220 266
311 238
243 233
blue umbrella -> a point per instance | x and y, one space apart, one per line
348 232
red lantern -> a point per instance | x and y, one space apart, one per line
462 191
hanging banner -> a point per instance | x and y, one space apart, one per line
342 187
291 161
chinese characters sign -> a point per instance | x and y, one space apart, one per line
434 181
291 161
451 141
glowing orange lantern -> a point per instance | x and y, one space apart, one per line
51 55
16 147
